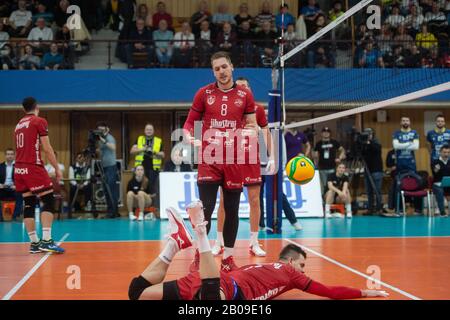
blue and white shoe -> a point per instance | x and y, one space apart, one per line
34 247
50 246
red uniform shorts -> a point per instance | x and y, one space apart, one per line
31 178
251 174
228 175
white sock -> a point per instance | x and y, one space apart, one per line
131 213
348 208
169 251
253 238
202 240
220 237
227 252
327 209
33 236
46 234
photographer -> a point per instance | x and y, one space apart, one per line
441 169
107 150
148 153
371 152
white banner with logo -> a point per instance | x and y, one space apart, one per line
178 189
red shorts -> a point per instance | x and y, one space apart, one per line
31 178
251 174
189 286
228 175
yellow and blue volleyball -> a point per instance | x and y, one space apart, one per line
300 170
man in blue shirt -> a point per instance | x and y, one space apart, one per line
438 137
371 57
288 18
405 141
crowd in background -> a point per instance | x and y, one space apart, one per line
412 34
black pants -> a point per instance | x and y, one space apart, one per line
153 180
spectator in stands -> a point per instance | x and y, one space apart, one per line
184 43
4 36
342 31
20 20
243 15
265 15
432 59
396 58
7 186
395 19
61 14
80 175
227 40
310 13
138 193
5 8
336 11
112 18
148 151
384 40
67 46
40 36
413 21
338 191
438 137
403 39
205 44
327 154
296 143
29 61
282 22
7 60
405 141
425 39
371 57
222 16
53 60
266 43
144 14
198 17
319 54
176 164
59 188
414 58
436 19
371 152
245 40
441 169
43 13
140 38
162 14
163 43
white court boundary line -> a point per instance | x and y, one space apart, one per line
354 270
19 284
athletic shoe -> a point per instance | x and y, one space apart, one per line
297 226
195 264
50 246
349 215
217 249
141 216
178 231
149 216
255 250
131 216
228 264
195 212
328 215
337 215
34 247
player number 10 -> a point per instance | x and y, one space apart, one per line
223 110
19 139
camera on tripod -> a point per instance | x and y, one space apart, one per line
93 137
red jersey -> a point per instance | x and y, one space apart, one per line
221 113
251 145
28 132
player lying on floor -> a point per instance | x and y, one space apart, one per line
251 282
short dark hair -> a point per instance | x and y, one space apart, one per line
291 251
29 104
221 54
242 79
9 149
405 116
102 124
440 115
445 146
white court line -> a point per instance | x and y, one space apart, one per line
16 288
354 271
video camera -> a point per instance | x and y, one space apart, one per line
93 137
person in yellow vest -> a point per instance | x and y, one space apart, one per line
147 151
